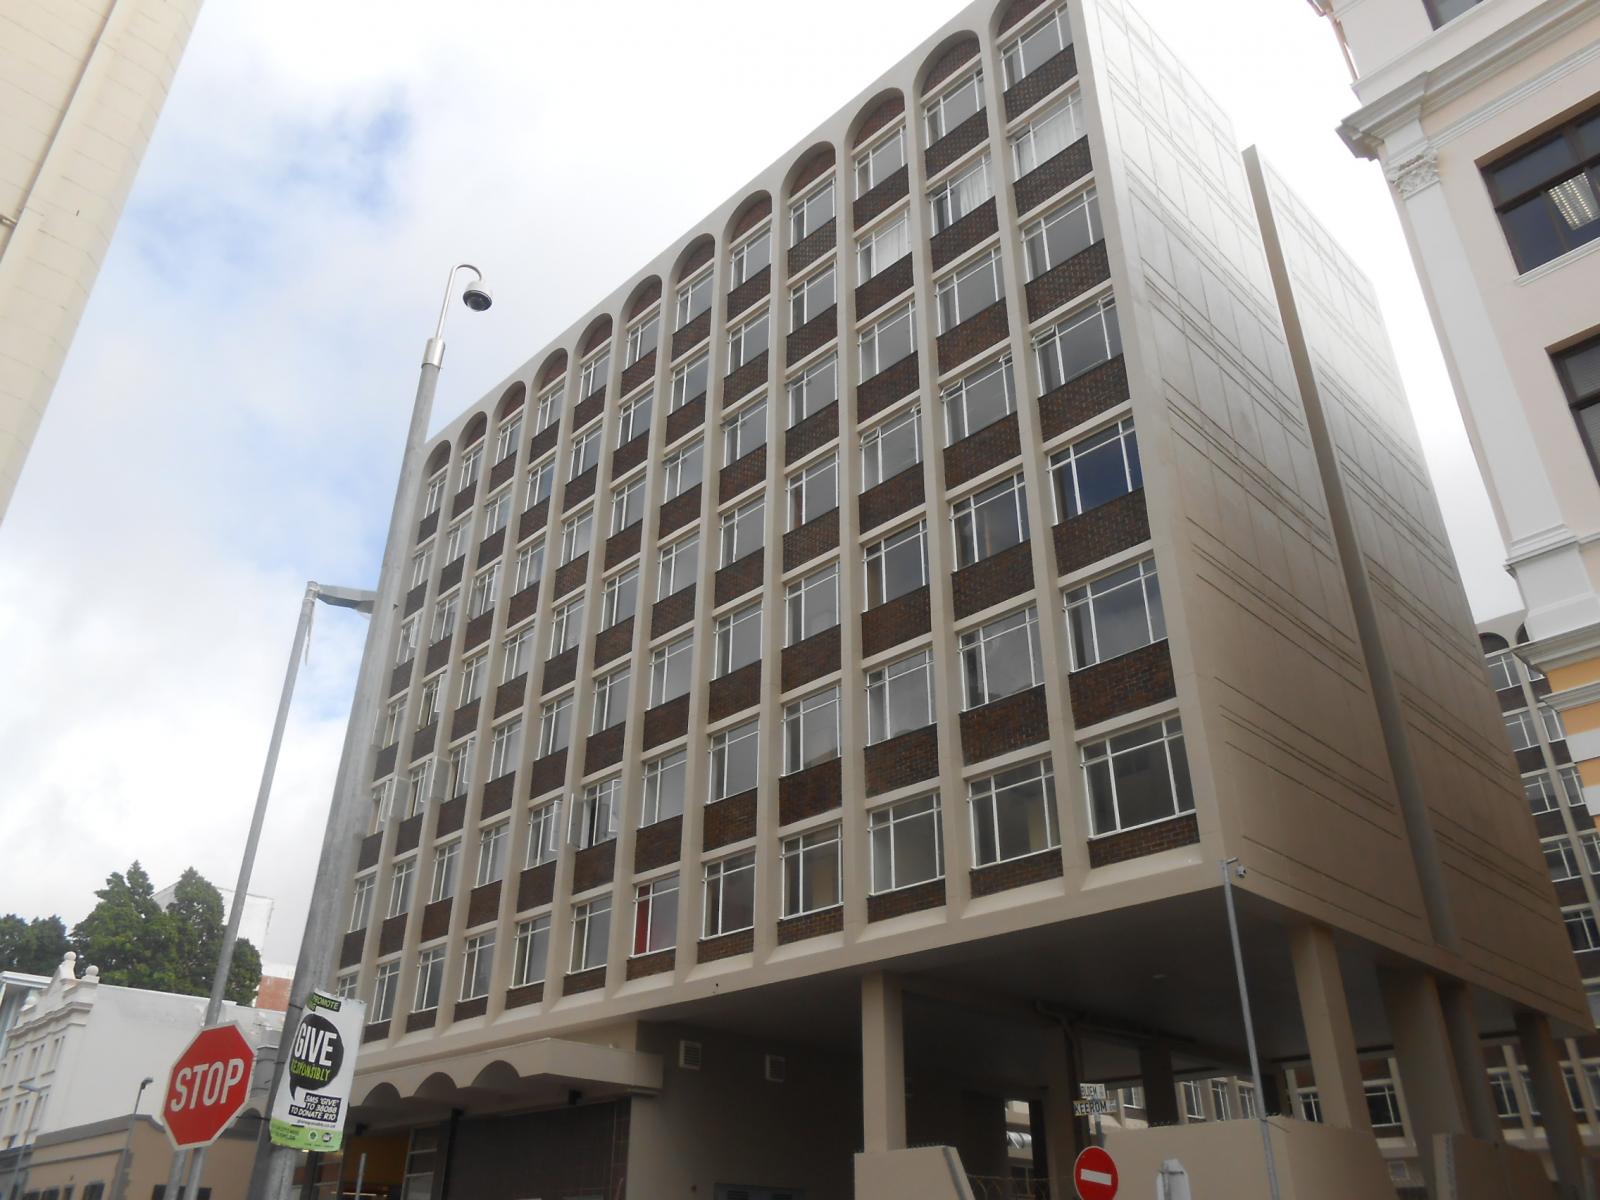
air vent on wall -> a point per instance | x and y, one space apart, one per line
689 1055
777 1068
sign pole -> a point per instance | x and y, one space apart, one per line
1229 865
180 1160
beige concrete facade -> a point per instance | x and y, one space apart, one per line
81 85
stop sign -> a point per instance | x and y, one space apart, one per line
1094 1174
208 1086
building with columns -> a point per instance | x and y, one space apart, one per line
837 669
1485 115
81 85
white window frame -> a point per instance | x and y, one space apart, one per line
870 357
977 645
872 467
869 171
732 632
1036 241
591 933
627 504
722 744
801 718
798 603
593 371
738 526
585 451
665 657
655 770
876 559
1047 343
693 297
506 436
722 874
884 681
749 255
811 210
643 336
960 195
800 388
655 916
610 700
673 569
1084 611
797 860
1047 134
1167 733
493 843
544 834
630 423
882 246
1014 53
681 376
548 407
812 296
747 422
566 626
505 747
555 725
813 486
888 821
987 795
446 870
597 813
541 481
952 307
936 120
751 332
956 399
617 602
532 951
1064 467
687 459
477 965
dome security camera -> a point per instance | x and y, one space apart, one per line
477 296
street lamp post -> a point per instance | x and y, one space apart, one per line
274 1165
119 1183
1230 866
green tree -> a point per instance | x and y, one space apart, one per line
199 919
34 946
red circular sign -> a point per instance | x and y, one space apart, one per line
208 1086
1095 1174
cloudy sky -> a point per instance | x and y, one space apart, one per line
229 421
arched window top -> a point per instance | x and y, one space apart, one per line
754 210
695 255
877 115
515 397
812 166
473 433
646 294
1492 643
946 61
552 369
596 335
1017 12
439 459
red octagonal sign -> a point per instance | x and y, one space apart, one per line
1095 1174
208 1086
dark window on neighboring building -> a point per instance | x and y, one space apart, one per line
1579 369
1440 11
1547 195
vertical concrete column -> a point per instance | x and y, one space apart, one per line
1063 1133
1555 1106
1461 1026
1038 1132
883 1064
1427 1062
1160 1087
1325 1013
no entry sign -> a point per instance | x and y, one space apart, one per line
208 1086
1094 1174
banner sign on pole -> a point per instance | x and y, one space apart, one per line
314 1096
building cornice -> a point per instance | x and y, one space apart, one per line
1562 650
1578 697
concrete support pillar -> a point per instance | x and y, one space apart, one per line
1427 1062
1038 1132
1461 1026
1160 1088
883 1063
1063 1133
1555 1106
1325 1012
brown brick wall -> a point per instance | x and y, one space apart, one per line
463 499
982 451
630 454
883 287
909 758
408 834
1147 839
889 624
571 576
622 546
421 1020
746 378
544 441
521 997
740 576
672 611
1125 683
996 578
587 409
1003 876
451 575
686 419
726 946
436 919
950 244
483 904
1052 176
692 334
888 109
1004 725
957 142
815 244
887 500
637 372
392 934
659 963
438 655
810 925
812 433
547 774
806 793
523 604
611 644
375 1032
1102 531
415 597
894 382
478 629
578 489
428 526
735 692
535 886
810 658
595 866
678 512
489 549
452 813
400 677
657 845
905 900
973 336
1065 282
350 948
742 474
533 520
367 855
424 740
884 193
1044 79
728 821
951 61
603 749
813 335
747 293
558 671
666 721
1018 10
584 981
508 697
811 540
498 794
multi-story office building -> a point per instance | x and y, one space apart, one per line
81 85
835 670
1486 117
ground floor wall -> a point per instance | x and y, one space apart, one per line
558 1154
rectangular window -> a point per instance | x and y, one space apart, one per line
655 915
473 672
1582 930
484 586
888 341
747 342
812 604
900 697
813 491
594 820
745 431
813 389
433 496
907 844
1579 371
345 987
444 617
979 400
382 802
679 562
577 536
592 377
1037 46
471 466
694 298
610 700
460 763
1590 841
1572 785
1137 778
1096 470
1560 856
642 337
497 512
516 652
477 966
811 731
361 903
428 702
1553 730
1076 344
585 450
890 448
530 566
951 201
532 951
1048 134
565 623
1058 236
627 504
810 212
811 871
954 105
385 986
620 599
883 247
1540 790
1547 194
689 381
492 845
1002 658
1115 614
446 859
419 787
1502 670
738 640
455 541
541 477
742 531
664 787
1524 733
555 726
634 419
734 756
393 716
968 290
670 667
880 160
811 297
544 834
898 564
682 469
505 748
990 521
549 406
1013 813
730 895
750 257
507 435
420 562
591 930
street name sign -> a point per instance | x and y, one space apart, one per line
1090 1108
